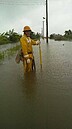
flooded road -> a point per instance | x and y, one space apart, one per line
41 99
8 46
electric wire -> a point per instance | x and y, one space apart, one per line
24 3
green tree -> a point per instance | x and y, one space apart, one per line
9 37
35 36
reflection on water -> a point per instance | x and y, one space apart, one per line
29 84
41 99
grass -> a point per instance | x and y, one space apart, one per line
9 52
1 55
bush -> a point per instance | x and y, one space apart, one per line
4 40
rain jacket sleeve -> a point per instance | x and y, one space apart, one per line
24 46
33 42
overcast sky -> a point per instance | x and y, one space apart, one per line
18 13
60 16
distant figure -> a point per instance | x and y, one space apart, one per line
26 44
63 44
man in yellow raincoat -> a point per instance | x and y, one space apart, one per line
26 44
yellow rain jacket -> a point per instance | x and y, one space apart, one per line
26 44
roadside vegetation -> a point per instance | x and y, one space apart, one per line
35 36
9 37
12 37
9 52
66 37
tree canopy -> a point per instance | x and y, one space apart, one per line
9 37
67 36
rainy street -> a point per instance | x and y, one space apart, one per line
41 99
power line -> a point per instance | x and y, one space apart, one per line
20 3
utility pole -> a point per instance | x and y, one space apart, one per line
46 21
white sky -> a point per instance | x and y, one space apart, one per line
15 14
60 16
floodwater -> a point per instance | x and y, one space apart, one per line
8 46
41 99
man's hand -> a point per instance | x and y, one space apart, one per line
28 61
37 42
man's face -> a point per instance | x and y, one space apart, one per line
28 33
